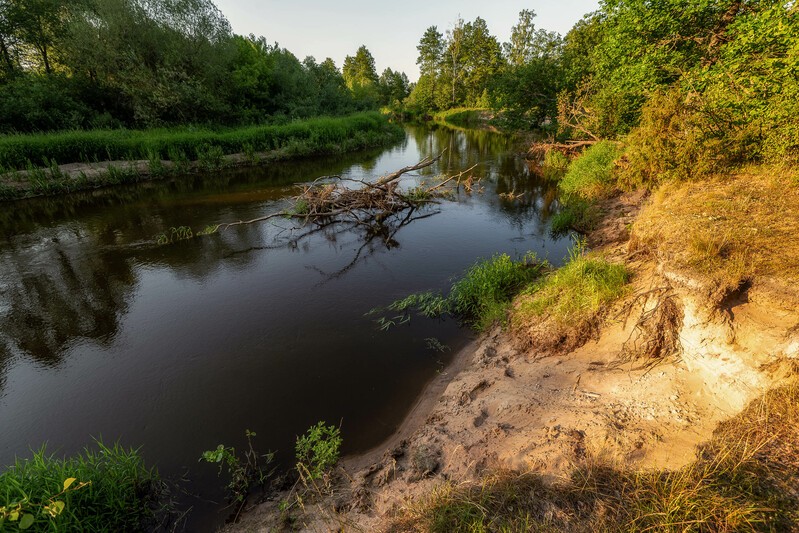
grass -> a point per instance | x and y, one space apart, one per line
564 308
578 215
555 165
481 297
102 489
725 230
590 176
319 135
209 149
575 292
744 479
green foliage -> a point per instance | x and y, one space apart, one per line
555 165
98 490
244 471
480 297
576 214
102 63
317 451
576 291
320 135
210 157
464 117
590 176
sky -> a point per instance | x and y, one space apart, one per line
391 31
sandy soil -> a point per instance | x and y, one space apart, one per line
545 412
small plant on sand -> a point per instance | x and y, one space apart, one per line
317 451
244 470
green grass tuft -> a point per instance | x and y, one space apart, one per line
576 291
112 490
481 297
590 176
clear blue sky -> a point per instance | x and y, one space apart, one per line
391 31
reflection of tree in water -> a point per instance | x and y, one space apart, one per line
501 170
59 291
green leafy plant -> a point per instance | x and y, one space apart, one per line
317 451
244 470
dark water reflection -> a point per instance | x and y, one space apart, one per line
179 348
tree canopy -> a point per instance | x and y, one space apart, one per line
68 64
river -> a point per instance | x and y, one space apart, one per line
178 348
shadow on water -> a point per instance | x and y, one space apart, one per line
181 347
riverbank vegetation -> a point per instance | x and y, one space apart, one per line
103 488
52 163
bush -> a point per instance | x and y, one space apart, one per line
318 450
108 489
590 176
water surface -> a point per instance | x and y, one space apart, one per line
178 348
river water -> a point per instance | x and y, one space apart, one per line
178 348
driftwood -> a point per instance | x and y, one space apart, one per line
335 199
539 150
377 209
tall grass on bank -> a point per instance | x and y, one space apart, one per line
102 489
576 291
319 135
480 297
744 480
590 176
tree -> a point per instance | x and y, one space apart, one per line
393 87
454 64
431 51
481 60
360 75
520 48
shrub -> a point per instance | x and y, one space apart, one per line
318 450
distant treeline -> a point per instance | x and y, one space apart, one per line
690 85
85 64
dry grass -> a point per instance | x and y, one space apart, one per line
726 230
745 479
